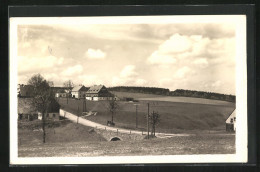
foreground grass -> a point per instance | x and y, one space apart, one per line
199 144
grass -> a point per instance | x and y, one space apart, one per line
199 144
30 133
175 117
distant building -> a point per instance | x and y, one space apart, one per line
27 111
25 90
79 92
231 122
99 92
53 116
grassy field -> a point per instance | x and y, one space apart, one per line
175 117
199 144
30 133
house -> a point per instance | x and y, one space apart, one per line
99 92
27 111
79 92
231 122
51 116
63 95
25 90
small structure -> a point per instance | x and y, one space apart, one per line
99 92
25 90
27 111
63 95
231 122
79 92
52 116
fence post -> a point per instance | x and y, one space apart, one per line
130 131
117 131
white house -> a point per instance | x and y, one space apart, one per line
79 92
231 122
99 92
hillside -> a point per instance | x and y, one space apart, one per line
175 116
64 131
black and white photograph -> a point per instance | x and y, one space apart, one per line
128 89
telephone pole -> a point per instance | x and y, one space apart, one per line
148 122
78 115
135 116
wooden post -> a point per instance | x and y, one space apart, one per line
117 132
78 115
148 122
135 116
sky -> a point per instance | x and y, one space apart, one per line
194 56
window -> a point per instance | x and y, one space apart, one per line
54 115
231 120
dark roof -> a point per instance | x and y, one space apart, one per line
25 106
26 90
95 89
80 88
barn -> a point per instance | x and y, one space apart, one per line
231 122
27 111
79 92
99 92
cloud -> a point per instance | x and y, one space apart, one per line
182 72
140 82
128 71
201 62
95 54
27 64
176 44
89 80
128 76
161 58
70 71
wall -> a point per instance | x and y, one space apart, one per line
108 135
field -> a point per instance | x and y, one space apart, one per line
30 133
74 140
175 117
203 119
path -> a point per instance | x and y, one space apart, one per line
89 123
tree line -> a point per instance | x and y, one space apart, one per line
177 92
203 94
146 90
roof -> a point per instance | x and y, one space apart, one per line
80 88
95 89
232 115
25 106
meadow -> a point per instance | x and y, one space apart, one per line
74 140
194 115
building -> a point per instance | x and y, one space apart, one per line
51 116
25 90
27 111
79 92
231 122
99 92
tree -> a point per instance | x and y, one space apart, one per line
68 84
112 108
154 119
42 97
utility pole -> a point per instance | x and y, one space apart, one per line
78 115
148 122
136 116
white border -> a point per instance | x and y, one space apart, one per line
241 89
